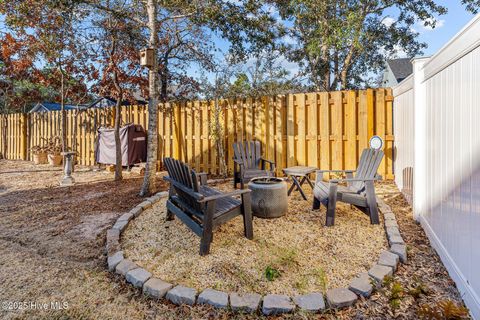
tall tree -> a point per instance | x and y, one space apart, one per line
337 43
115 45
53 28
173 27
265 76
152 145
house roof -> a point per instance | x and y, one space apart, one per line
401 68
52 106
103 102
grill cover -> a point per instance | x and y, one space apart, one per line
134 145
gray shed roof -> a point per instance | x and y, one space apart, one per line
401 68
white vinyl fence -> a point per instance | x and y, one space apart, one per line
437 132
403 131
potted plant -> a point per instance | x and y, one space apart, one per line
54 148
39 154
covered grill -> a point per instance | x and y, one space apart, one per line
134 145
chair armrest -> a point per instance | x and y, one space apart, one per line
323 171
319 173
269 161
352 180
272 164
224 195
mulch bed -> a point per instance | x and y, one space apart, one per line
301 254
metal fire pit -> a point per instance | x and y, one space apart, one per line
269 197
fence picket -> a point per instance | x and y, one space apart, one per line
323 129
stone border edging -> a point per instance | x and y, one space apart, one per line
360 286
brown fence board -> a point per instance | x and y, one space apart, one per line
327 130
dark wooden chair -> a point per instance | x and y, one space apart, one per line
249 164
359 190
200 207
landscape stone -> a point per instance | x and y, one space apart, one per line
340 297
113 241
213 297
124 266
396 240
145 204
379 272
162 194
391 223
361 285
388 259
137 277
401 251
136 211
158 196
310 302
156 288
384 209
126 217
389 216
392 231
247 302
277 304
182 295
120 225
114 260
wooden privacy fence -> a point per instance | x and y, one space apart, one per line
327 130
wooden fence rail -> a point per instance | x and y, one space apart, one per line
327 130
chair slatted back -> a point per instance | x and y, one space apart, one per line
181 173
249 153
367 167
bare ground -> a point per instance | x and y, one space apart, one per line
52 250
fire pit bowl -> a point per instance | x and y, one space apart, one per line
269 197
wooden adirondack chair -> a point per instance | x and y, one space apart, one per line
202 208
248 163
360 190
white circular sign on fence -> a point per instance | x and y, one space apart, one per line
376 142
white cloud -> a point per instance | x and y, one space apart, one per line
438 24
397 52
289 40
388 21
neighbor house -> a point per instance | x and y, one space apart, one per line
395 71
105 102
52 106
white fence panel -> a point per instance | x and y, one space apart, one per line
444 111
404 138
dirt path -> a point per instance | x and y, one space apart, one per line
52 250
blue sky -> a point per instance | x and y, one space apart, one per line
448 25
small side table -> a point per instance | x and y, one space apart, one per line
299 173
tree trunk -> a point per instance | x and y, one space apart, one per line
118 144
118 110
219 140
164 82
148 186
63 127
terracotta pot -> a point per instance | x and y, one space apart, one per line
40 158
54 159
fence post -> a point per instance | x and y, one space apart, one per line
24 136
420 138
